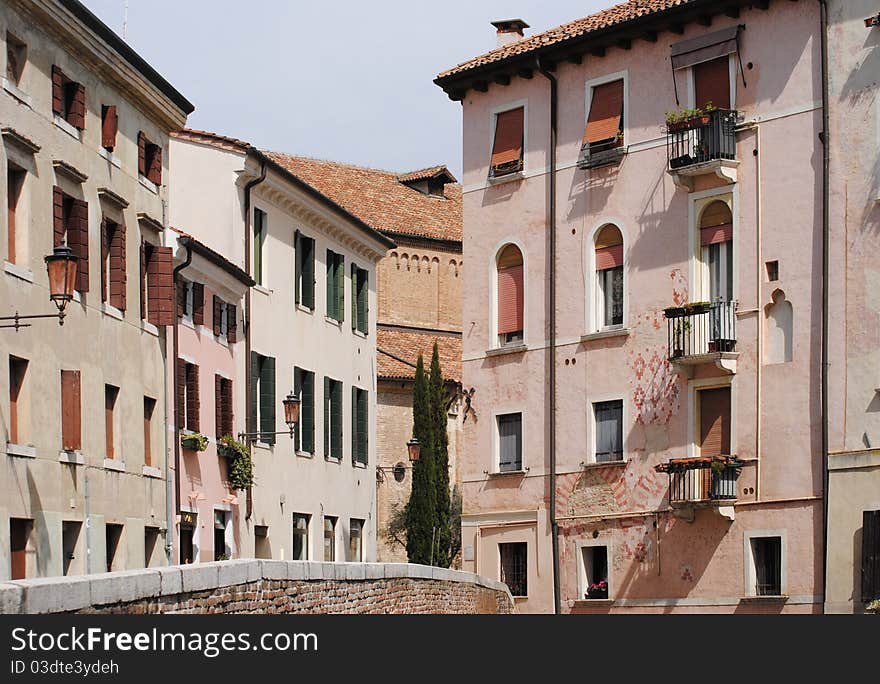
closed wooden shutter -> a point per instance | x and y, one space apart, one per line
609 248
142 154
118 277
363 292
106 227
252 392
142 261
58 215
510 299
870 555
715 422
307 412
218 406
355 424
327 417
193 407
267 400
340 287
336 419
606 111
160 284
154 172
228 417
180 395
510 442
331 285
231 323
508 144
307 281
716 224
71 411
76 117
198 313
217 315
355 300
57 91
78 240
363 426
712 83
109 127
297 267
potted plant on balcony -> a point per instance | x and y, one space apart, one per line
873 607
193 441
229 447
597 590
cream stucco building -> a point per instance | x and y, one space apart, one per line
85 123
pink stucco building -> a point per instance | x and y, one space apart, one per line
642 316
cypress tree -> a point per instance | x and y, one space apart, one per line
422 505
437 393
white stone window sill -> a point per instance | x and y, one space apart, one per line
72 457
148 184
333 459
505 473
149 328
508 349
304 309
17 92
604 334
222 340
114 464
333 322
188 322
506 178
594 602
304 454
358 333
111 311
20 272
262 289
263 445
72 131
780 598
77 296
110 157
150 471
358 464
21 450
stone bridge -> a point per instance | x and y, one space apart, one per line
262 586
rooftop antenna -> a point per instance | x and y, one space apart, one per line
125 21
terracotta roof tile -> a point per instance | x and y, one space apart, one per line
407 345
625 11
380 198
210 138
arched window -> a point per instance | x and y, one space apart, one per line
510 295
609 277
716 251
780 321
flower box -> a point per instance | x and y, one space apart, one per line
194 442
598 590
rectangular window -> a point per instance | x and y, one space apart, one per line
304 388
360 425
151 544
262 397
767 560
188 522
113 274
71 411
262 547
71 227
329 538
595 563
259 246
68 99
223 407
220 317
19 419
514 567
609 430
604 129
870 556
20 530
304 271
714 408
14 185
149 159
507 146
188 395
332 418
611 296
335 286
221 551
113 535
111 393
70 562
510 442
355 540
300 536
109 127
16 58
712 83
359 299
149 408
157 285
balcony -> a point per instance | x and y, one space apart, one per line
597 155
703 332
702 481
703 144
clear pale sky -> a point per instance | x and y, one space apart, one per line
350 81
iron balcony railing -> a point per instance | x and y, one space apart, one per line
596 155
701 328
701 139
703 479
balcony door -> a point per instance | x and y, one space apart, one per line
713 434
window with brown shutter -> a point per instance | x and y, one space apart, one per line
712 83
192 397
715 422
109 127
110 395
71 411
231 323
18 418
159 284
216 315
142 154
57 91
59 215
149 159
198 304
605 120
180 394
507 147
113 275
71 226
510 295
68 99
223 407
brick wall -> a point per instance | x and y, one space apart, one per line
254 586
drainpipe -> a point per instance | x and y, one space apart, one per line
826 198
169 481
249 428
178 419
551 219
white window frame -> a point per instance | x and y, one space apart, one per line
309 519
188 304
695 386
593 83
582 544
228 531
749 570
264 275
496 439
698 270
591 425
335 542
494 341
224 319
593 310
732 63
493 122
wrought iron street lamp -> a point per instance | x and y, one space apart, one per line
415 449
61 268
291 404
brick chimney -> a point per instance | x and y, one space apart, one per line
509 30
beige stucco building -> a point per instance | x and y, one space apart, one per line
85 122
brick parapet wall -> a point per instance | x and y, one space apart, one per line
255 586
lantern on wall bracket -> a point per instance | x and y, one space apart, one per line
414 448
291 411
61 269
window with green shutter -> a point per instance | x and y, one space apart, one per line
259 242
332 418
304 388
359 299
304 285
261 405
359 425
335 286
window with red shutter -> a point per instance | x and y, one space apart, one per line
605 120
715 422
109 127
507 147
71 411
609 277
510 295
159 285
712 83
